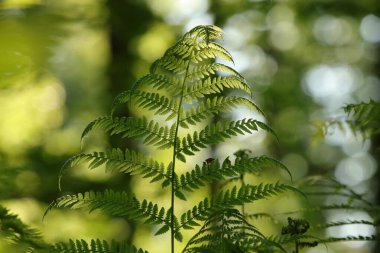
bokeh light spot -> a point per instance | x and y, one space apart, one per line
330 85
354 170
370 28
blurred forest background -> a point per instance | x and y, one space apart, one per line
62 63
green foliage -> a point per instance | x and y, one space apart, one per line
16 233
116 160
362 119
185 86
98 246
183 91
228 231
345 199
230 198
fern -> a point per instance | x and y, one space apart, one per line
95 246
215 105
150 131
230 198
228 231
21 237
130 162
348 222
215 133
349 201
116 204
362 119
182 91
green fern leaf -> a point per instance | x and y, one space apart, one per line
118 204
312 186
206 32
163 230
13 231
258 164
234 197
169 64
115 160
206 173
185 49
151 132
157 81
373 238
199 72
95 246
215 133
227 230
364 118
348 222
214 106
213 85
149 100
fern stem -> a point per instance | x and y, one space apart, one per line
243 205
173 187
297 246
242 183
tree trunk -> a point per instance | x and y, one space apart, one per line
127 19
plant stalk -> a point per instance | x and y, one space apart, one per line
297 246
172 239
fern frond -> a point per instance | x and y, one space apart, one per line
114 203
228 231
214 106
186 76
261 216
349 238
13 231
150 131
216 133
372 209
170 64
230 198
199 72
362 119
364 114
149 100
210 50
206 32
116 160
312 185
258 164
156 81
212 85
206 173
95 246
347 222
186 49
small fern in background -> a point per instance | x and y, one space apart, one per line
345 200
17 235
362 119
183 91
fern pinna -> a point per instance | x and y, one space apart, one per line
183 89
